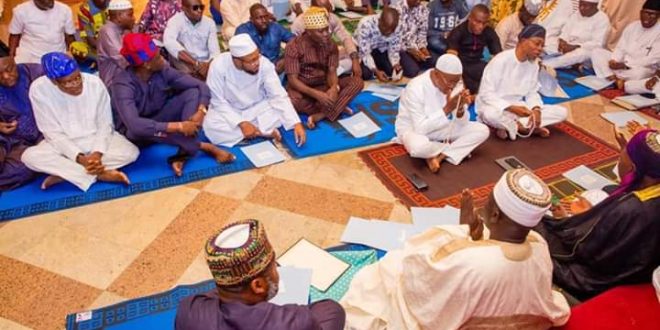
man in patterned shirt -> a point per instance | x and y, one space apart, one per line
92 15
444 16
379 44
414 21
310 62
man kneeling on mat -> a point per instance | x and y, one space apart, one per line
432 123
242 262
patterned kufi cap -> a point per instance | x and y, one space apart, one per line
238 252
315 18
522 196
138 48
58 65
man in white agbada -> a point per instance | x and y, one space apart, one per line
73 112
553 16
509 28
584 31
247 98
432 123
637 54
509 100
450 278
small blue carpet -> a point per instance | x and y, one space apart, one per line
566 79
150 172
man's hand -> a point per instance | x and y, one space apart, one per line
356 68
536 111
299 134
8 128
614 65
396 70
203 69
453 101
279 66
333 93
249 131
381 76
188 127
469 215
325 99
651 83
198 117
416 54
519 110
91 163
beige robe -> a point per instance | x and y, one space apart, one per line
621 13
444 280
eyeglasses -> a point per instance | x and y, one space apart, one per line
197 7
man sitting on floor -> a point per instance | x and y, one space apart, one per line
584 31
156 103
509 100
247 98
468 41
509 28
450 278
266 34
311 66
18 130
191 39
432 122
120 21
636 54
349 61
379 43
414 25
73 112
242 263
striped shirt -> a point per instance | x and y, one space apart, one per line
310 60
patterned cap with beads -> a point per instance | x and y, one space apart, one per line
238 252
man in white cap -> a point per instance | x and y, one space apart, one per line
584 31
120 21
432 122
509 98
509 28
247 98
242 263
450 278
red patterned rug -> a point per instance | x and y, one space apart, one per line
612 93
568 147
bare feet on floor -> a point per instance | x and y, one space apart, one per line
114 176
217 153
542 132
434 162
275 135
313 119
177 167
51 180
502 134
348 111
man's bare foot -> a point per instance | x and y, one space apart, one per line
114 176
217 153
348 111
275 135
51 180
502 134
542 132
177 167
313 119
620 84
434 164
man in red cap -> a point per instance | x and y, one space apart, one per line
156 103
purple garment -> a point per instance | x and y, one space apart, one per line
15 105
143 109
206 312
155 16
111 62
645 160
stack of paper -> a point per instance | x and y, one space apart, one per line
294 286
634 102
387 92
426 217
326 268
621 118
263 154
594 82
379 234
587 178
350 14
359 125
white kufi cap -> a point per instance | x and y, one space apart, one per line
119 5
522 196
450 64
241 45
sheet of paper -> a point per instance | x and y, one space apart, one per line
638 101
426 217
326 268
621 118
384 89
594 82
587 178
388 97
263 154
294 286
379 234
359 125
350 14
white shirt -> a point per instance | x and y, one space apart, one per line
638 47
63 118
508 30
238 96
199 40
421 106
507 81
42 31
588 32
554 15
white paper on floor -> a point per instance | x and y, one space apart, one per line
359 125
263 154
326 268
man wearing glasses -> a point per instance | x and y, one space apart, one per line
191 39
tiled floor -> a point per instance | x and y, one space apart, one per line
101 254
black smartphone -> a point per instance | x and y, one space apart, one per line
417 182
510 162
